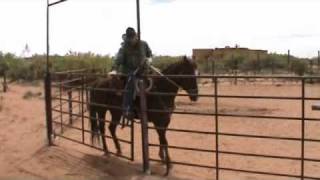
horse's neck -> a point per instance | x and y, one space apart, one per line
165 85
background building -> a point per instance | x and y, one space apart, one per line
228 53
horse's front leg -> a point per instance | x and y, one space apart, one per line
101 116
116 116
161 147
163 151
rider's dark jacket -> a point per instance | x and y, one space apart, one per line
129 58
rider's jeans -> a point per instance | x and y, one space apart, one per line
129 95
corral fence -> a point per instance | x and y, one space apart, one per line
260 64
69 100
67 103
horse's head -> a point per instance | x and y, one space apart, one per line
190 84
189 68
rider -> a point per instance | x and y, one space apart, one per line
130 60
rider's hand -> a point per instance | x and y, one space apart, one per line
114 72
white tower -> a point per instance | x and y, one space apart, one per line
26 52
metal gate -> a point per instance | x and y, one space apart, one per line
70 98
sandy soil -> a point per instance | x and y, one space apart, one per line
23 150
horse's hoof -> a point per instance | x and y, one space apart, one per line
167 172
163 160
119 153
147 172
168 168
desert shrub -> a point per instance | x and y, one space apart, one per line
299 67
29 95
234 63
34 68
81 61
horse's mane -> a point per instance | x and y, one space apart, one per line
172 67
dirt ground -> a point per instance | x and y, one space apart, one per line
24 153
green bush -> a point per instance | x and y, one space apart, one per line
299 67
234 63
34 68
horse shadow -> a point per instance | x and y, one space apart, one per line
125 170
61 163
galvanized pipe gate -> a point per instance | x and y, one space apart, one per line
54 124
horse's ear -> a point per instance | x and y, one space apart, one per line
185 58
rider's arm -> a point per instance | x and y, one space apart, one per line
148 51
119 60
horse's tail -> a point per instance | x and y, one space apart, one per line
93 119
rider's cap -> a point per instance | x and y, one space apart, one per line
130 33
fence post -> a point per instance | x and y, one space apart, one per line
272 66
302 126
82 106
311 69
216 125
132 141
61 105
70 106
5 85
79 97
318 61
258 63
288 61
48 100
144 127
236 71
213 68
87 93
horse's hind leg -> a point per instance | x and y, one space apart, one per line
164 152
161 148
101 116
112 127
94 126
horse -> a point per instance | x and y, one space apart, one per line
166 104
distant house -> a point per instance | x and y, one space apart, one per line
228 53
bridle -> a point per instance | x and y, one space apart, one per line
151 81
156 70
162 75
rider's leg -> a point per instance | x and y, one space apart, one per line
128 99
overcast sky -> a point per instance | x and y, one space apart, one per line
171 27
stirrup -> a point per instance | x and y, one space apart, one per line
127 119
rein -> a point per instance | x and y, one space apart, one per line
162 75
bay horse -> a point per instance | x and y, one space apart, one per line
165 103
